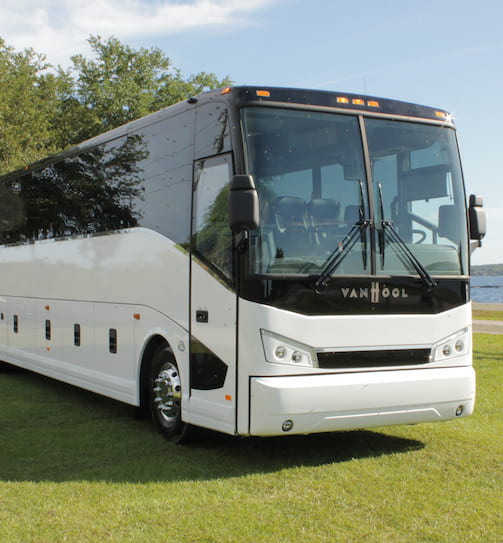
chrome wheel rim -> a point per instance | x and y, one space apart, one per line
168 393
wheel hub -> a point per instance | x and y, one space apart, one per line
168 393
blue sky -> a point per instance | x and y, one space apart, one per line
443 53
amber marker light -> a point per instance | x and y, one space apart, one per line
373 103
447 117
342 100
358 102
227 90
264 93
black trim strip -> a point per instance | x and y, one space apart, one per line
370 359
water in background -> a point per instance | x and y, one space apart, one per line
487 289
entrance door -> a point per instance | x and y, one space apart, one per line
213 300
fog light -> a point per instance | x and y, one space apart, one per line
459 410
459 346
280 352
287 425
446 350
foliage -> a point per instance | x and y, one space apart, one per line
487 269
44 110
78 467
28 98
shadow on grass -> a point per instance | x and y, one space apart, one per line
50 431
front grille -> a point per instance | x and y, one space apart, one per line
370 359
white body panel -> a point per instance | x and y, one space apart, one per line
123 281
214 408
326 403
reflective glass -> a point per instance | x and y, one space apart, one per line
310 177
418 191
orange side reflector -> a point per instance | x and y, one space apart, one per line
228 397
264 93
136 316
47 307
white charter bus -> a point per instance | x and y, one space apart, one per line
257 261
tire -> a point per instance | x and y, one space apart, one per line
165 396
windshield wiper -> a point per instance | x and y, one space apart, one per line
405 255
344 247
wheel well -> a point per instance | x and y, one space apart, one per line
153 344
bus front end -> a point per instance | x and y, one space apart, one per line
353 273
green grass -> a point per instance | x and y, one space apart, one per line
487 315
77 467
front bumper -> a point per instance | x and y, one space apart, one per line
330 402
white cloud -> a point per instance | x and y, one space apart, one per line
59 28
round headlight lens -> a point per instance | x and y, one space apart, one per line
446 350
280 352
296 357
459 346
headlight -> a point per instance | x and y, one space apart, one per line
456 345
282 350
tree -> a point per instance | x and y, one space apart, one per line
121 84
28 97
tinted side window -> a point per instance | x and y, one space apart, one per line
212 136
143 179
211 233
94 191
166 172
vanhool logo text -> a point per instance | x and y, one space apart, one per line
376 293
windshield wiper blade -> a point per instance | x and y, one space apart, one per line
341 251
403 252
344 247
401 249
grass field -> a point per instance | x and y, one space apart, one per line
77 467
488 315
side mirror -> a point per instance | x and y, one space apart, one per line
243 204
477 217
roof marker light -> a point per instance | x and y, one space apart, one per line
358 102
227 90
264 93
373 103
342 100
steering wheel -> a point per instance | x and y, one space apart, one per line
422 233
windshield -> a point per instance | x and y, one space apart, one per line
419 192
318 216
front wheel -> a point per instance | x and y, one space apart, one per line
165 396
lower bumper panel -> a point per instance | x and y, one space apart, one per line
326 403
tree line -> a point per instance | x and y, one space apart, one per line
46 109
487 269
